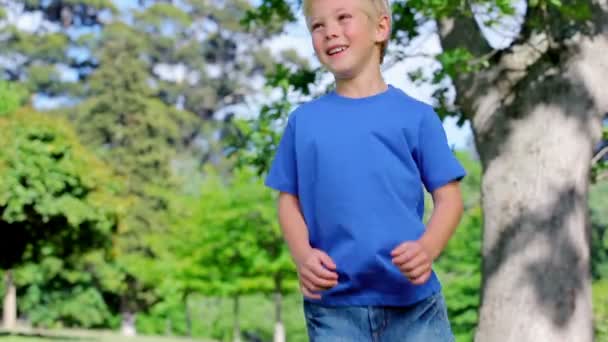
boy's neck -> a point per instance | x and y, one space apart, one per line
363 85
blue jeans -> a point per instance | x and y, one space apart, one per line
424 321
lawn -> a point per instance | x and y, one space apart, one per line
83 336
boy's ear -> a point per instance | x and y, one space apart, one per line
383 29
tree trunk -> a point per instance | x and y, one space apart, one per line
10 301
536 279
237 328
128 327
128 324
279 329
536 116
188 315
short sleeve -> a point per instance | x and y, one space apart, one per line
283 170
437 163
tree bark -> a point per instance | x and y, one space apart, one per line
237 327
536 279
279 329
536 117
9 317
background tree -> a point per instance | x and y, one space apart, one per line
205 44
56 199
235 224
189 50
138 135
541 88
49 52
146 83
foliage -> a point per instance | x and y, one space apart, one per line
254 141
122 118
459 266
12 96
599 230
233 225
600 310
256 319
225 243
147 126
43 49
137 135
58 293
55 197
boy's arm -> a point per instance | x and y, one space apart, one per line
447 212
293 227
316 269
415 258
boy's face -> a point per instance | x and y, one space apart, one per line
344 35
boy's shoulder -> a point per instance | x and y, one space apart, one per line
403 100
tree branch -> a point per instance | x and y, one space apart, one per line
462 32
598 156
481 95
401 56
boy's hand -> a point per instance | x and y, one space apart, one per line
414 261
316 273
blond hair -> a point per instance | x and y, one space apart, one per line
380 7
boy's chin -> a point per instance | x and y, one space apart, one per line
343 75
340 72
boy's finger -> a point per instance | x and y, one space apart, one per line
326 261
317 288
306 283
417 272
321 272
311 287
413 263
309 294
400 249
306 274
405 257
324 283
318 284
422 279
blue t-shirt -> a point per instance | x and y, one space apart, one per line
358 167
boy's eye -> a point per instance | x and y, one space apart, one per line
316 26
344 16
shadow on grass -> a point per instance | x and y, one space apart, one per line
47 336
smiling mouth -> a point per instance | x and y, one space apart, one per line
337 50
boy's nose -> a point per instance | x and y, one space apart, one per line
331 31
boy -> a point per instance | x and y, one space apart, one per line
350 169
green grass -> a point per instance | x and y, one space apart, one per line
83 336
